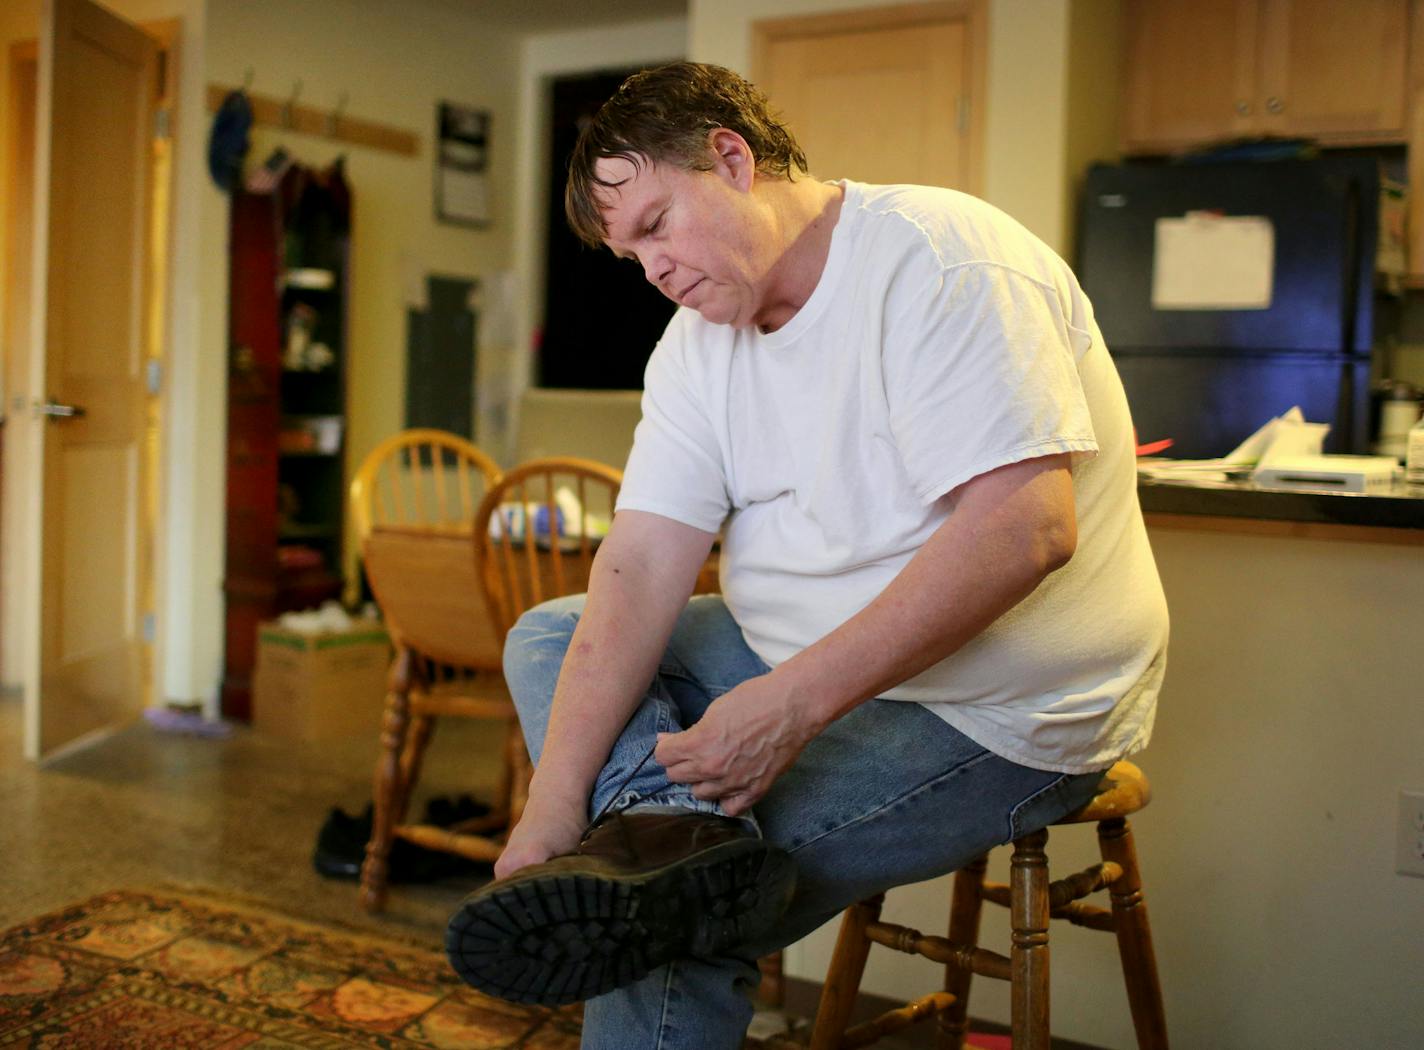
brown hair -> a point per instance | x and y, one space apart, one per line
664 116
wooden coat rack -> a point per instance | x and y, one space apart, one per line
329 124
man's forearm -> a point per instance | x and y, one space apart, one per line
640 583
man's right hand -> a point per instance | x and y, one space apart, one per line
547 829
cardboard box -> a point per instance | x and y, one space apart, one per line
320 686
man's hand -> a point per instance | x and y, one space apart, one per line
547 829
746 739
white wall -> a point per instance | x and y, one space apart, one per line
395 62
543 57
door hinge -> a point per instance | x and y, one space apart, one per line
150 628
963 115
162 123
154 376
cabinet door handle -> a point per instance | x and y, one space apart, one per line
1274 104
1243 108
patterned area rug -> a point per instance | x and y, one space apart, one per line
151 970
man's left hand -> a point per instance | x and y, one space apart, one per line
746 739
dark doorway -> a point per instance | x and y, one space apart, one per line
601 316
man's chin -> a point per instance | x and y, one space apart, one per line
721 313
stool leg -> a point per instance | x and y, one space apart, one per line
772 989
964 909
1028 882
375 869
1134 936
843 978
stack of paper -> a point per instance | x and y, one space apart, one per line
1286 435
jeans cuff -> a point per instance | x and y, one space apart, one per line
682 801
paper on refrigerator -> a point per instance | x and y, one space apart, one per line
1206 261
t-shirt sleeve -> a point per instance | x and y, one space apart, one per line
980 371
675 468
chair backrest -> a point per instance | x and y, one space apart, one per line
423 479
414 500
537 530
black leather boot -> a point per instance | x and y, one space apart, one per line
642 888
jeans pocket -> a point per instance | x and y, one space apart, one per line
1063 794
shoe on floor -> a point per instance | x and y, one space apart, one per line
643 888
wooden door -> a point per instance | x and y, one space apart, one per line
1333 69
98 86
886 96
1190 72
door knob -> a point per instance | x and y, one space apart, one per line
58 411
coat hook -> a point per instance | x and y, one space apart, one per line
335 115
290 106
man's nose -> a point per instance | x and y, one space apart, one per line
658 269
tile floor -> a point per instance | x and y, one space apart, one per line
241 814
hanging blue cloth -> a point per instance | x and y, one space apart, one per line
228 140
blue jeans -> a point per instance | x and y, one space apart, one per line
887 795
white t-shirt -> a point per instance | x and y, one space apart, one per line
943 340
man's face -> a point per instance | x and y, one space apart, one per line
700 236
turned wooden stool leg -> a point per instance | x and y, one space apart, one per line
375 870
772 989
1028 882
965 907
1134 936
843 978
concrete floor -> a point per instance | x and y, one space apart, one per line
144 808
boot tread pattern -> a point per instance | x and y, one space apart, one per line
559 939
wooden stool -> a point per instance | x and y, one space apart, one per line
1031 900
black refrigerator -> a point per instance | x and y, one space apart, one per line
1207 377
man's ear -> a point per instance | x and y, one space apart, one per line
732 157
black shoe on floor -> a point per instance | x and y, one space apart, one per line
341 844
642 888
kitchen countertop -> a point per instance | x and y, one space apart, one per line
1400 508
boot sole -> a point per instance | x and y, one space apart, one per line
561 938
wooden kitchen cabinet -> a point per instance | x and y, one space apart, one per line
1199 71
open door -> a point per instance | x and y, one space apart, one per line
97 95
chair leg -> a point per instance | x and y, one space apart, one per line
1134 936
965 907
1028 882
843 978
412 756
375 870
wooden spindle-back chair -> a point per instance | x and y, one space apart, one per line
414 501
536 532
518 574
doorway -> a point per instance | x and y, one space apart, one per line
88 186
